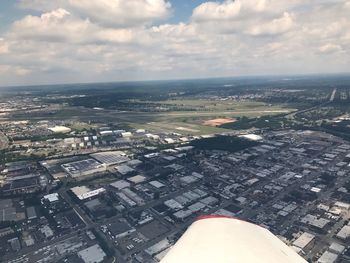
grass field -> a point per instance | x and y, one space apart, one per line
191 122
178 127
210 105
178 119
79 126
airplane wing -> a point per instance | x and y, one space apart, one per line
218 239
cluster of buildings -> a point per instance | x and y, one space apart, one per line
135 203
22 177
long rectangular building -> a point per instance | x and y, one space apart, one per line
84 168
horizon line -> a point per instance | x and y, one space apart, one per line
179 79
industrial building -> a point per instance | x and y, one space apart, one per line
124 169
83 192
60 129
344 233
7 211
133 196
119 229
157 184
120 184
85 168
314 221
328 257
51 197
336 248
137 179
305 241
31 213
93 254
158 247
110 158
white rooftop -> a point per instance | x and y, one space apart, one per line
93 254
156 184
137 179
80 190
327 257
52 197
60 129
303 240
336 248
120 184
252 137
344 233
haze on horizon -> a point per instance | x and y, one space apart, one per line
62 41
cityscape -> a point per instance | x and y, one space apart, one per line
174 131
84 188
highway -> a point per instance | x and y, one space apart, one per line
331 99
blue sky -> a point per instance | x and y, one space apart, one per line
9 12
183 9
66 41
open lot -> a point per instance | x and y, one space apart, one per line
183 116
218 121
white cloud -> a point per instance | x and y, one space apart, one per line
274 27
215 11
330 48
16 70
4 48
251 17
61 26
81 40
120 13
228 9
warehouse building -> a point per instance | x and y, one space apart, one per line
119 229
120 184
305 241
344 233
60 129
137 179
7 211
54 197
133 196
124 169
157 184
93 254
158 247
84 168
110 158
328 257
31 213
336 248
83 192
314 221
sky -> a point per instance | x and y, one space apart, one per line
78 41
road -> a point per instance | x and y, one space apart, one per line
331 98
96 226
90 224
333 95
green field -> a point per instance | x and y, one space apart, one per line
191 122
178 117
